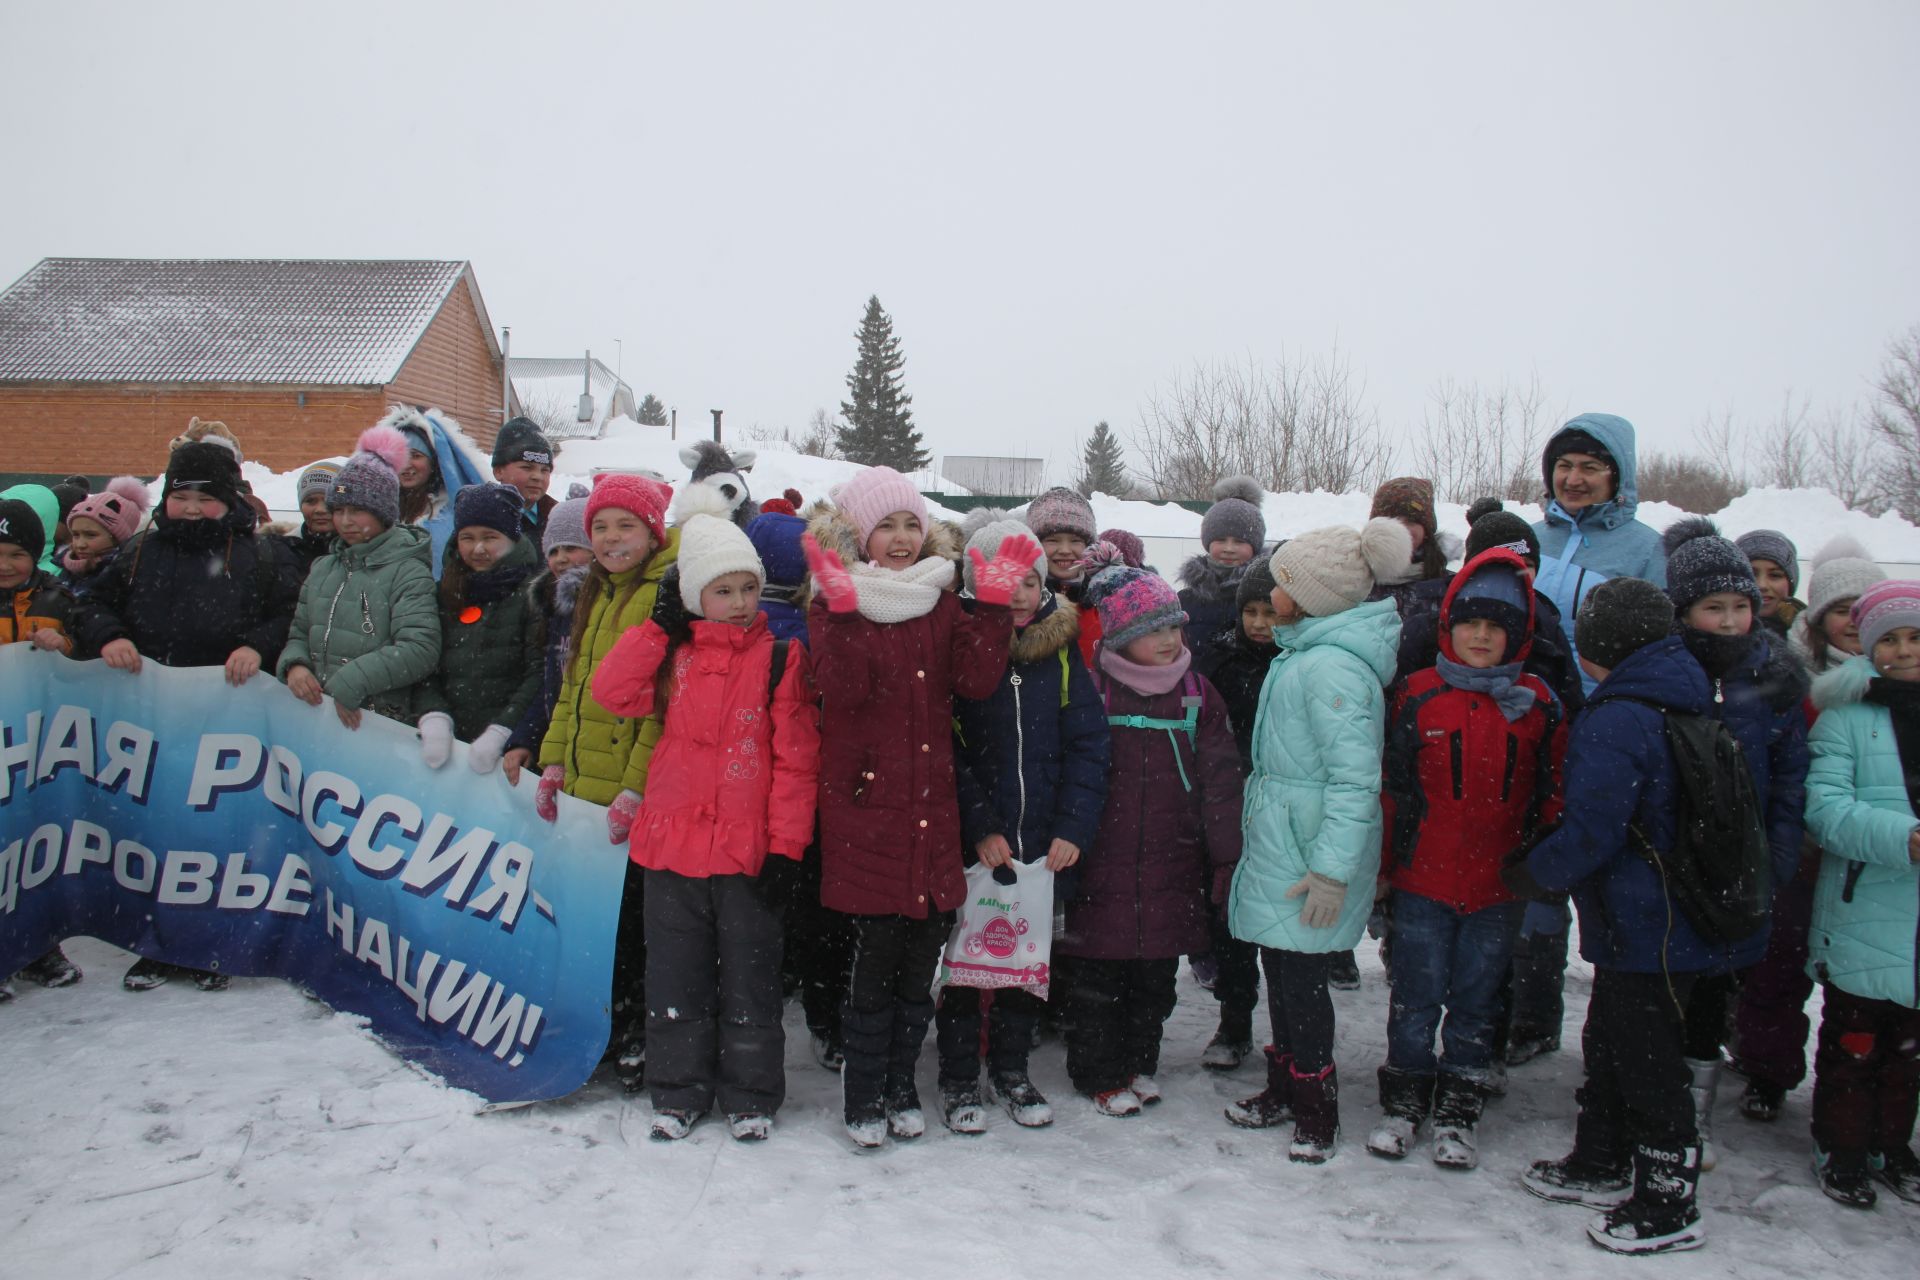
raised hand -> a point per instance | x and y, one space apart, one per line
830 576
995 579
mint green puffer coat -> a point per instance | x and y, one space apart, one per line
368 623
1866 907
1313 799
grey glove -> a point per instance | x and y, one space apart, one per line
1324 899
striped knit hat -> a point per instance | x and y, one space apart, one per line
1884 607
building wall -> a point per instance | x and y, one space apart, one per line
452 368
116 430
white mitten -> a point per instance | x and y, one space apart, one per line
485 753
436 738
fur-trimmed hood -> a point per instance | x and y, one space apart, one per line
837 533
1056 626
1837 686
1213 582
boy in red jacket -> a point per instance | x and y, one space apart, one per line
1472 772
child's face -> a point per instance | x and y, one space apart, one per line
1229 552
1775 590
191 504
1896 655
1027 595
313 510
1064 551
561 559
1418 530
481 548
355 525
1286 610
896 541
417 472
1837 623
1480 643
530 478
1156 648
732 598
621 540
1257 619
88 539
1724 613
16 566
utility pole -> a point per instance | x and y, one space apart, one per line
506 373
673 424
716 424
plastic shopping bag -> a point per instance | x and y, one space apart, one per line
1004 936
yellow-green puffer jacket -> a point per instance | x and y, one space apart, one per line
605 754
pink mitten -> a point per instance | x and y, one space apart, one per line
552 778
995 579
620 815
835 584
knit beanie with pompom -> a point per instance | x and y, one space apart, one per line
371 478
1701 563
119 508
1132 550
1132 602
985 529
1235 513
1842 570
712 548
1329 571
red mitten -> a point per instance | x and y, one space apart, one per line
552 778
830 576
995 579
620 815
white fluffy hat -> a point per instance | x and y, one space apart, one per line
1328 571
709 548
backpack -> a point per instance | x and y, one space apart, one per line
1193 699
1720 870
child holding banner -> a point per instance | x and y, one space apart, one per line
729 803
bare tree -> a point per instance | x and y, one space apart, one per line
821 438
1718 445
1787 455
1692 484
1850 461
1895 418
1479 442
1292 426
554 412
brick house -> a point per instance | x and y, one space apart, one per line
104 360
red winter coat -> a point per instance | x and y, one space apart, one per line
1463 787
889 810
732 779
1146 879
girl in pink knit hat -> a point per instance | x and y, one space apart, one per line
100 524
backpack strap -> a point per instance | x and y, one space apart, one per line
777 669
1066 676
1193 696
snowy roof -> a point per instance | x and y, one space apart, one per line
549 388
314 322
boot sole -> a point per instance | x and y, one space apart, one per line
1691 1237
1586 1199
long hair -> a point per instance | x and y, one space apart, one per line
598 582
453 583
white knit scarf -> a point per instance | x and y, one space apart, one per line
889 595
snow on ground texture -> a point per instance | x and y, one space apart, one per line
178 1133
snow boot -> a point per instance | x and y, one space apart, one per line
961 1107
1405 1098
1456 1111
1206 970
1343 971
630 1064
1117 1102
6 990
1525 1046
1660 1216
1145 1088
1762 1100
1231 1043
52 970
1597 1183
1316 1116
750 1126
670 1124
208 980
905 1119
1495 1085
1273 1105
1898 1170
863 1077
1845 1176
1705 1087
1026 1104
147 974
827 1051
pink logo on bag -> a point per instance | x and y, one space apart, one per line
996 938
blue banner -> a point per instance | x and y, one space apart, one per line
244 831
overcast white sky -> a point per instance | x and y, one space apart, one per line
1661 208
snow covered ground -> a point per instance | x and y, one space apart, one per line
181 1134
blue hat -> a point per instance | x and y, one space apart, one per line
489 506
776 538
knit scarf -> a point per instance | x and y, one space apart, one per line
1902 699
496 584
1717 654
889 595
1143 679
1501 683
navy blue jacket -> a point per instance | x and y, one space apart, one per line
1210 594
785 618
1239 674
1027 767
1620 774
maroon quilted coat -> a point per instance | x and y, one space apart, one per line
889 808
1144 883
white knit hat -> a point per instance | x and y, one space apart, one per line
709 548
1331 570
1842 570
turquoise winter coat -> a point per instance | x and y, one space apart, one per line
1313 798
1866 907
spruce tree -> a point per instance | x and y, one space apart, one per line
877 430
1103 466
651 412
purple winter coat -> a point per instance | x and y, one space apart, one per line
1144 883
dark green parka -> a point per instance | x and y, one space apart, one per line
490 646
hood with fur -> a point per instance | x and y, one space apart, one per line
1053 628
836 532
1212 581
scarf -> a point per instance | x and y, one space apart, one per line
1718 655
1902 699
887 595
496 584
1147 681
1501 683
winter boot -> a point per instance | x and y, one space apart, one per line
1145 1088
1273 1105
1580 1178
905 1118
1231 1043
52 970
863 1079
961 1107
1405 1097
1316 1116
208 980
1706 1086
750 1126
6 990
827 1051
147 974
670 1124
1898 1170
1661 1216
1762 1100
1845 1176
1343 971
630 1064
1117 1102
1026 1104
1456 1110
1206 970
1525 1046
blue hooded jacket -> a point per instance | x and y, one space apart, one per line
456 471
1620 774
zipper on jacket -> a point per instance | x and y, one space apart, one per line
1019 766
1513 761
326 636
1455 752
1854 871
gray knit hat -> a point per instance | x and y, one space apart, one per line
1620 617
1331 570
1061 510
1842 570
986 537
567 522
1771 544
1236 513
1255 584
371 478
1701 563
317 478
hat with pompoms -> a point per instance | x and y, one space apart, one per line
1842 570
1132 550
1132 602
1236 513
787 504
1502 528
1701 563
371 478
1330 570
119 508
985 528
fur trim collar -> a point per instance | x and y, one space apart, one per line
1840 685
1210 580
1050 632
838 534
